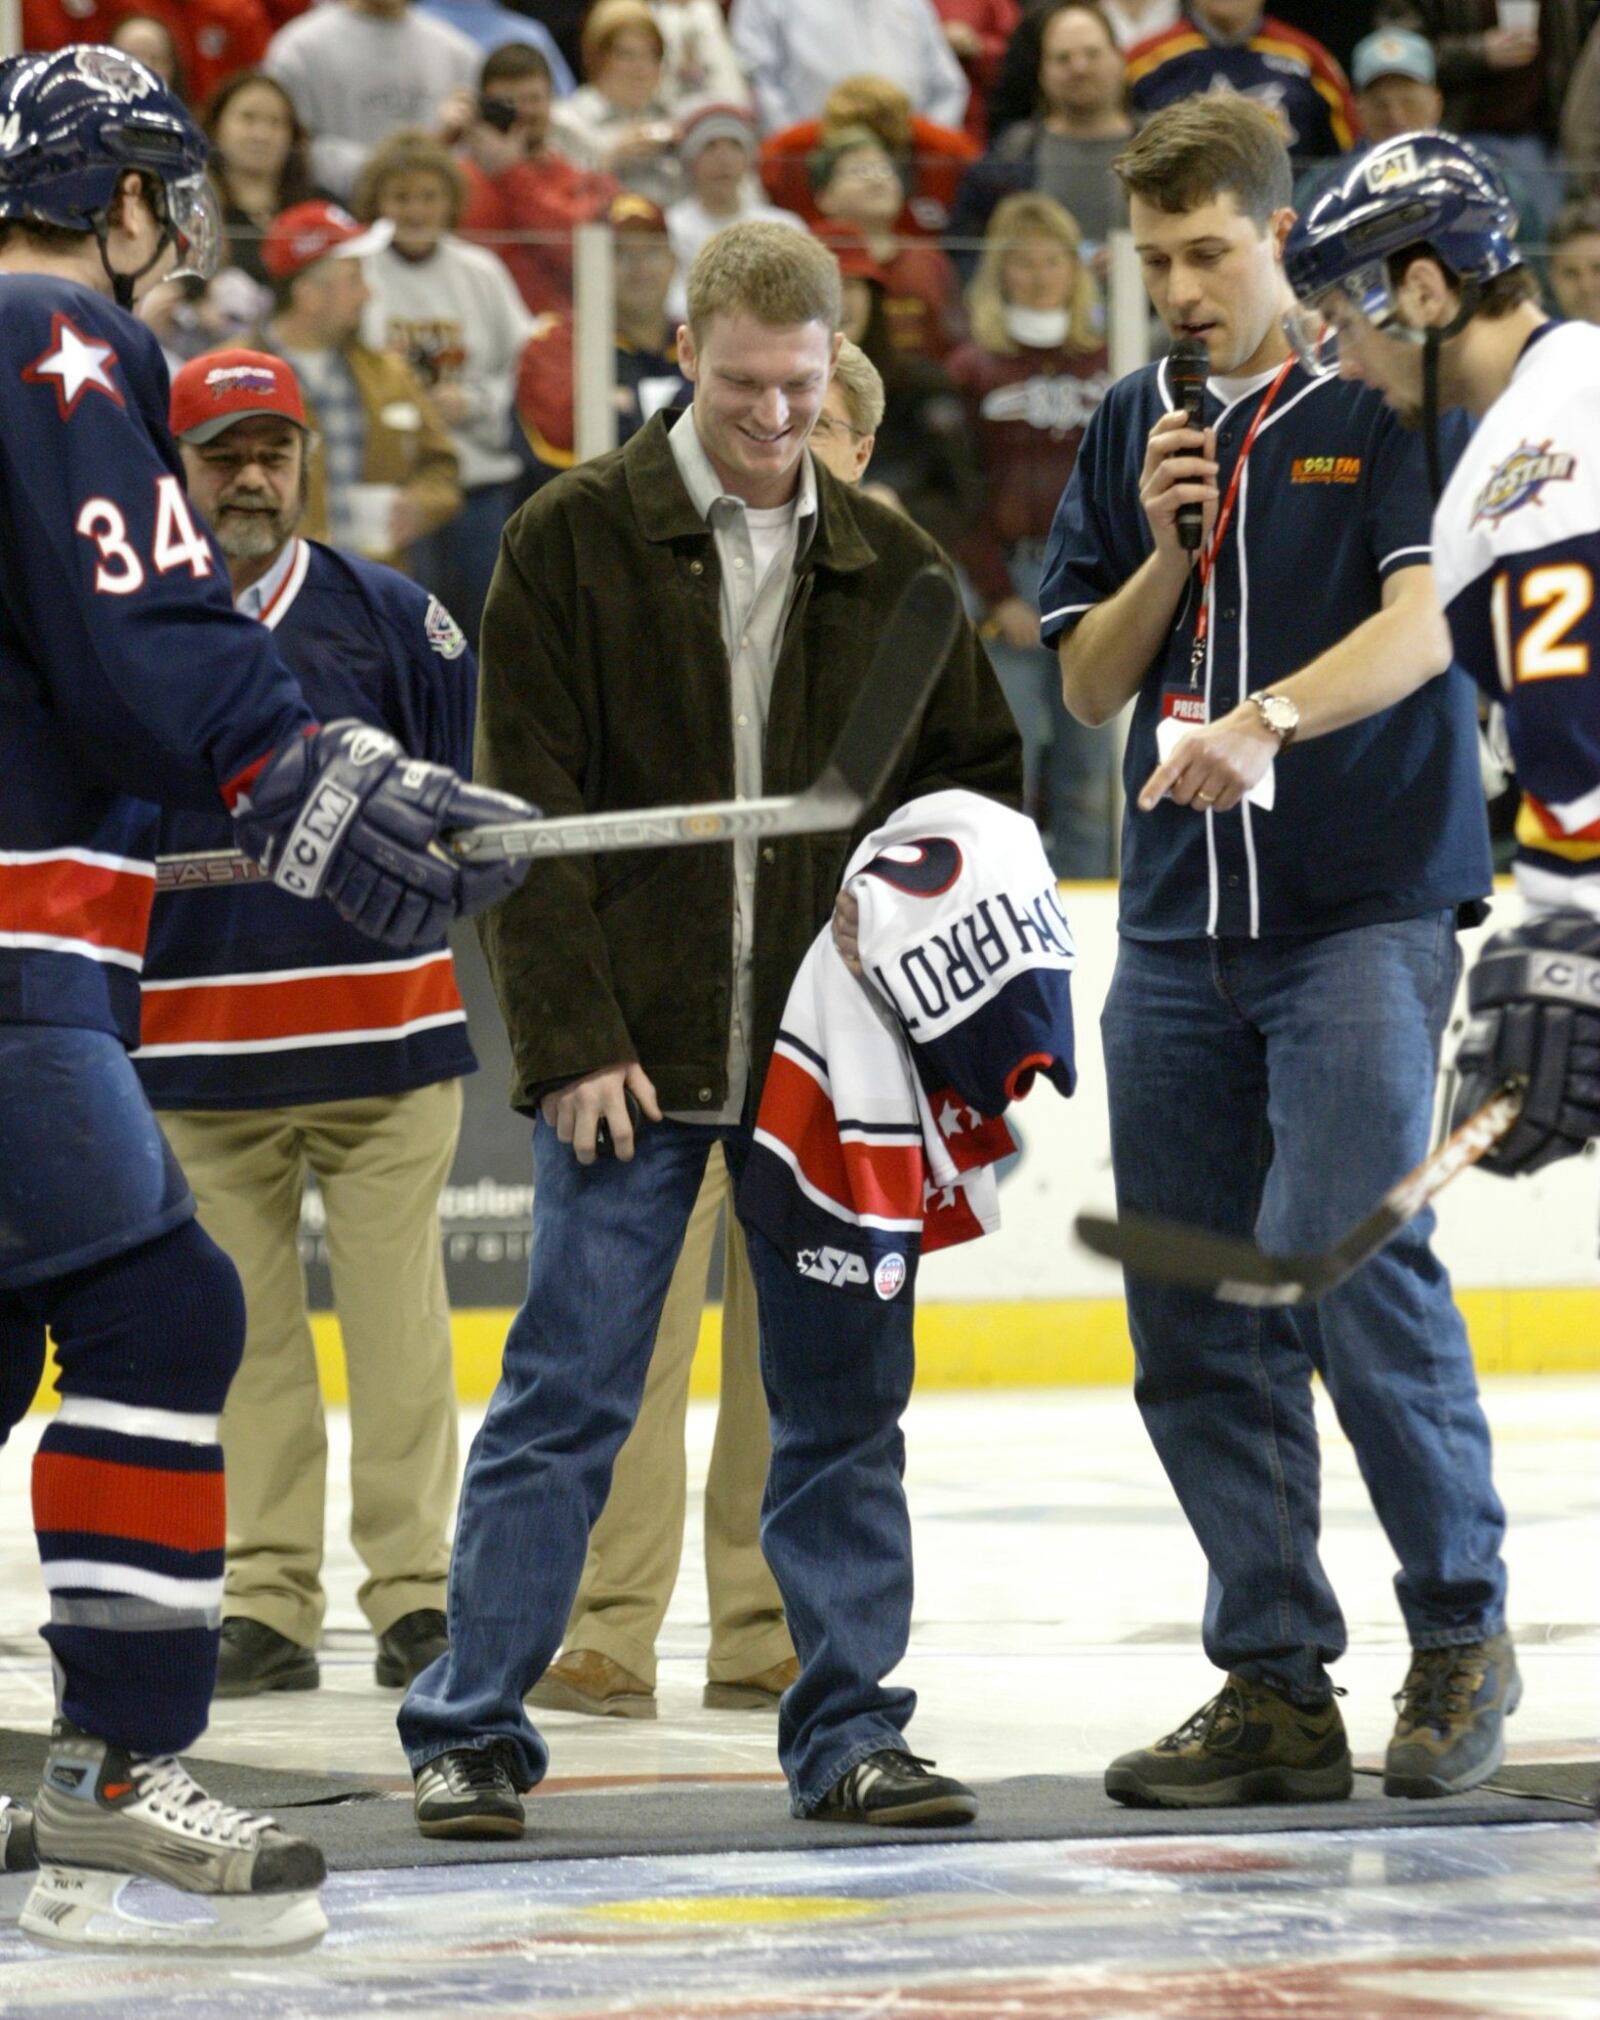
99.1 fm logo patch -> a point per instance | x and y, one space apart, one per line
1520 480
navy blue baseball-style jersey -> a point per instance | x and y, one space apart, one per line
125 675
255 999
1383 820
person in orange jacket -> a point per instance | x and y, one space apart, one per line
935 157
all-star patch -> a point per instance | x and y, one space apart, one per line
443 633
1519 480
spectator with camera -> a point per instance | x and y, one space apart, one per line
524 198
619 121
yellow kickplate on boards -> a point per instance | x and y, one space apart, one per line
684 1908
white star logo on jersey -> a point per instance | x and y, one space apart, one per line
74 364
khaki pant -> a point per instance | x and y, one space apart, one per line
635 1547
381 1164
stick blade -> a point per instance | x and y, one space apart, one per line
1222 1266
908 660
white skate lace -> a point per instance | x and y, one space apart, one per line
173 1794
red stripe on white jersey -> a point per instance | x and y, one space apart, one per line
865 1179
299 1006
76 901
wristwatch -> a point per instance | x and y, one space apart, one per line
1279 714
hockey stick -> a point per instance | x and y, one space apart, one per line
1239 1273
905 665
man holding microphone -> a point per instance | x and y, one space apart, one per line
1285 968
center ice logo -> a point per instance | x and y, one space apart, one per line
1519 480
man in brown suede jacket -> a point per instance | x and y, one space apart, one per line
689 619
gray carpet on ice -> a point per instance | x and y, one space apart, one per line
360 1829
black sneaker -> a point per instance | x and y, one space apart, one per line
469 1793
406 1648
254 1658
1248 1745
895 1788
1451 1731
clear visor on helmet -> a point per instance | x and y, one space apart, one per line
196 221
1362 299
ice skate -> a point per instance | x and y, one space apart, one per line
105 1818
16 1837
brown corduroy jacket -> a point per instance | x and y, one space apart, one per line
604 683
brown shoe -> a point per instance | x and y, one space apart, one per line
584 1680
752 1693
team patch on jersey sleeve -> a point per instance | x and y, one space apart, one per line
74 364
1520 479
443 633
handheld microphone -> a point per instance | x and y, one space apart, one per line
1188 366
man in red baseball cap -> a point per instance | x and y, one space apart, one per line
387 474
274 1044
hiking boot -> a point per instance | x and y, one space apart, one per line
253 1658
760 1692
469 1793
587 1681
1451 1731
1248 1745
896 1788
406 1649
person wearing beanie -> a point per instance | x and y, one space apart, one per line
717 148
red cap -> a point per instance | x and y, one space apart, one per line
210 393
307 232
629 212
854 255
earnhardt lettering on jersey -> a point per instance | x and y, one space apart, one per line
1517 556
880 1122
932 979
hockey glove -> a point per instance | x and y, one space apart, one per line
1534 994
345 814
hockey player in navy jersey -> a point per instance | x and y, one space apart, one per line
127 679
1410 278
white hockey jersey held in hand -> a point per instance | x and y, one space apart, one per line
880 1121
1516 556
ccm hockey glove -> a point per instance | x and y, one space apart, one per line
345 814
1534 994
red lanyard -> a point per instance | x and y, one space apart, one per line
1208 559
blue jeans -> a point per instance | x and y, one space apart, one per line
1277 1088
1067 767
835 1527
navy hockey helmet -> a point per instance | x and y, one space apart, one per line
74 122
1418 189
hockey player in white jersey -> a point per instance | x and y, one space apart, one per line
1409 271
1408 277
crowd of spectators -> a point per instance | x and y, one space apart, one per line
949 151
